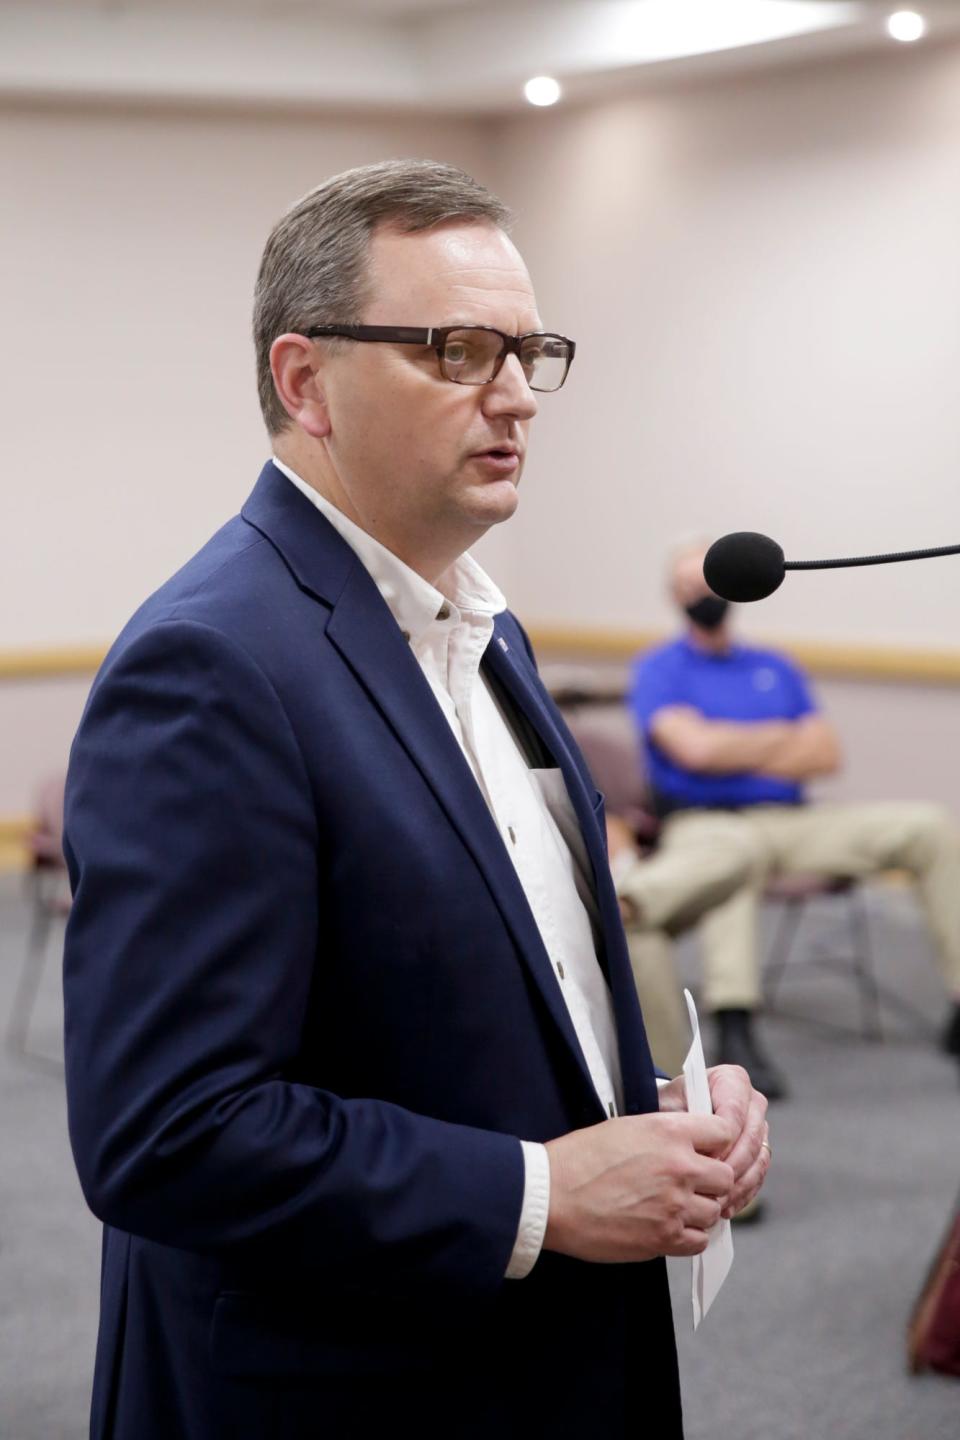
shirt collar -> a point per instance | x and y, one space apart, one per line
464 587
698 653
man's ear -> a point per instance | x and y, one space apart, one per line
298 379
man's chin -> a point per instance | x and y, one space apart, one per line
495 502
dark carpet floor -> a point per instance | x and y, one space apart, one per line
806 1340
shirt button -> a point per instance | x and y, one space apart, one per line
560 970
513 834
406 635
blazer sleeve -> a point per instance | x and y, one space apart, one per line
191 841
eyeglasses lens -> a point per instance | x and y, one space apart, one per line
470 358
545 360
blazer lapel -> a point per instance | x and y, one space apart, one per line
368 638
635 1062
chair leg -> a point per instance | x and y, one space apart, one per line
31 972
782 946
871 1027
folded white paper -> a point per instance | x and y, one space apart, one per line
712 1267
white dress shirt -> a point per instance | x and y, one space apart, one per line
448 627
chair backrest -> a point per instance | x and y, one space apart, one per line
607 736
46 837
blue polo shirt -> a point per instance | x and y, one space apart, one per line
744 684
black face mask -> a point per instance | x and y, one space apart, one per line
708 612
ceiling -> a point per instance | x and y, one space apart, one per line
402 10
463 56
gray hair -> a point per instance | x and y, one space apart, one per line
314 266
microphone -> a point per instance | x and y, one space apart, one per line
748 566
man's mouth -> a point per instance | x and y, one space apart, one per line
501 459
507 448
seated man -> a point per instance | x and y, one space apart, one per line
733 729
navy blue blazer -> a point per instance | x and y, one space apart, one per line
308 1015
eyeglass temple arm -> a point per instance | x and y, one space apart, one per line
398 334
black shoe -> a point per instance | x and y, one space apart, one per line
737 1044
751 1214
950 1039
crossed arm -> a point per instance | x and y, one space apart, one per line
783 749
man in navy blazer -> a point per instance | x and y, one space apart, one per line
357 1078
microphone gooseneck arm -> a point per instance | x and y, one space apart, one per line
871 559
748 566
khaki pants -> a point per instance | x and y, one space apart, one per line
692 871
664 1012
837 840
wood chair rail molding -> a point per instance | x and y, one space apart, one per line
857 662
14 836
52 663
846 662
854 661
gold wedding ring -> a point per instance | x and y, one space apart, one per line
765 1145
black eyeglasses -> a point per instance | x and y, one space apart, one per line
473 354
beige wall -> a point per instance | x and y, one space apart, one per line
761 274
133 427
38 719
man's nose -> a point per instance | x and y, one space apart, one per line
509 393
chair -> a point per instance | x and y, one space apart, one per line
605 733
793 894
604 730
49 900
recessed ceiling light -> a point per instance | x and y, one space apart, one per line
906 25
542 90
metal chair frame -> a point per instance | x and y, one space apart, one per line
871 993
859 960
46 881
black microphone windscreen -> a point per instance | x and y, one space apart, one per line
744 566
